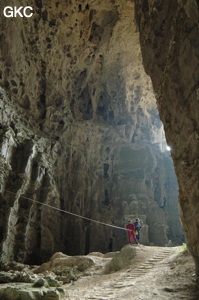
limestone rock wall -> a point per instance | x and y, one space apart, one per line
169 40
27 169
80 131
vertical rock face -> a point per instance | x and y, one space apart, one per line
169 41
80 131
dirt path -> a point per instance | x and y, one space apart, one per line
153 274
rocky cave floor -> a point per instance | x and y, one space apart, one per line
135 272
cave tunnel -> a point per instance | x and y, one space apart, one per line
81 131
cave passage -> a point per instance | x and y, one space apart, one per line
80 131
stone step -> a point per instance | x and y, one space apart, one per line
97 298
139 272
145 267
127 281
162 254
158 258
153 260
122 286
148 263
132 277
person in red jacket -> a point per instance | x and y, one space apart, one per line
131 228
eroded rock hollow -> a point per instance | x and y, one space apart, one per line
80 131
